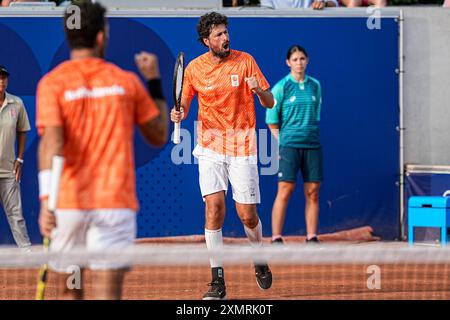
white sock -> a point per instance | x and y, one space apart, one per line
255 234
214 241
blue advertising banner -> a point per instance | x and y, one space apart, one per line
357 70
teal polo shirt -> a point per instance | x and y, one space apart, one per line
297 112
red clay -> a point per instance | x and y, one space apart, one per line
290 282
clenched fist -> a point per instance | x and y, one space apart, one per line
147 64
253 85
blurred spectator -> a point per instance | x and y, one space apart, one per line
314 4
363 3
447 4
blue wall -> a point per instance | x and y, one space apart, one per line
355 65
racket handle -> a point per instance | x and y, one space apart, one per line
40 291
46 244
176 133
42 281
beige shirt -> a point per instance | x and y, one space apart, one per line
13 119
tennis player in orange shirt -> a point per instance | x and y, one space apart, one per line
225 82
86 112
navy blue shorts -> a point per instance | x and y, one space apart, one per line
308 161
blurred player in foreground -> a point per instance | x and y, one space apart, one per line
86 112
224 81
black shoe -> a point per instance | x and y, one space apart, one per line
216 291
263 276
277 241
313 240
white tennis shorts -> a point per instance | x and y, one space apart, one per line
215 170
93 230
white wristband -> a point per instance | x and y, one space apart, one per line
19 160
45 177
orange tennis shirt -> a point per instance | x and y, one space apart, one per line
226 115
97 104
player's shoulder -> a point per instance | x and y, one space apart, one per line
121 77
198 61
61 74
57 74
242 55
66 68
196 67
117 71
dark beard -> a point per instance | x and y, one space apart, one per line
221 55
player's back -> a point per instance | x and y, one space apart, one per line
95 103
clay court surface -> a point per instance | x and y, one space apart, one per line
398 281
290 283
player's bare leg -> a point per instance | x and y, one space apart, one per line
107 284
311 190
65 286
285 190
214 210
253 229
214 217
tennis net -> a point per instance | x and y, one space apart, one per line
181 272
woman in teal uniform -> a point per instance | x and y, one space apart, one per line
294 121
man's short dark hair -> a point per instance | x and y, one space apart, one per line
92 22
207 22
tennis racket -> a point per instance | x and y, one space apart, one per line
57 166
178 76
